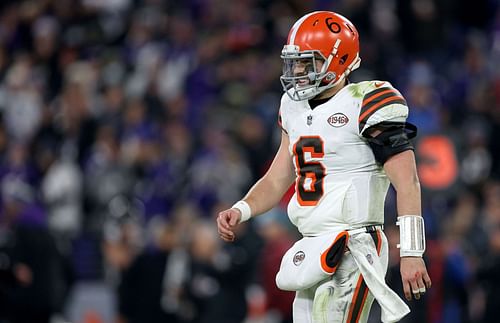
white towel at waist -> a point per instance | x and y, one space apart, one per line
393 307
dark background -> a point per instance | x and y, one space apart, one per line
125 126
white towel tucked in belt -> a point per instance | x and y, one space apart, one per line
393 307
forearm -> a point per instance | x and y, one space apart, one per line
266 193
402 173
409 198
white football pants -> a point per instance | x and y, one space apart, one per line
344 298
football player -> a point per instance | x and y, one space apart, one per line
342 145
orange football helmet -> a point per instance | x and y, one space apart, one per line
321 50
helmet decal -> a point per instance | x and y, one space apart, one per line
332 25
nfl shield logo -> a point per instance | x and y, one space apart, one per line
369 258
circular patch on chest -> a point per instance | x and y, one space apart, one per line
338 120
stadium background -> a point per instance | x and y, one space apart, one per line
126 125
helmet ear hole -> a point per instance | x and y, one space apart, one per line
330 76
343 59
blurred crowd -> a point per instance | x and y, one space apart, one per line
126 125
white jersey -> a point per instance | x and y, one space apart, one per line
339 184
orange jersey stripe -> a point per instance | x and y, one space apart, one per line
379 242
371 98
354 298
381 103
365 294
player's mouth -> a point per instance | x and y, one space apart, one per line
303 82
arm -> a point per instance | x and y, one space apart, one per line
265 194
402 173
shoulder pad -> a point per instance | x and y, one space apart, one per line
381 102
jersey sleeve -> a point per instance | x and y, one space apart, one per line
282 117
381 102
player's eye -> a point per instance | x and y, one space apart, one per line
305 64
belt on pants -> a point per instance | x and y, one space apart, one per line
366 229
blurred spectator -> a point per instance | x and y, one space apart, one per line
142 283
424 99
117 113
278 239
252 136
33 283
488 276
220 274
61 189
219 173
21 100
456 271
477 160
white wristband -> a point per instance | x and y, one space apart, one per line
244 209
411 235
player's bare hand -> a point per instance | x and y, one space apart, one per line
226 223
415 278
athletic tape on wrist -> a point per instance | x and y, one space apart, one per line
411 235
245 210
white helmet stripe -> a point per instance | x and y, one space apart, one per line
296 27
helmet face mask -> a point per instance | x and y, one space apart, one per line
303 74
321 50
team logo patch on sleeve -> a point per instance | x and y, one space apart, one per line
377 99
338 120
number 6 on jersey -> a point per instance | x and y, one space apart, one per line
309 184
